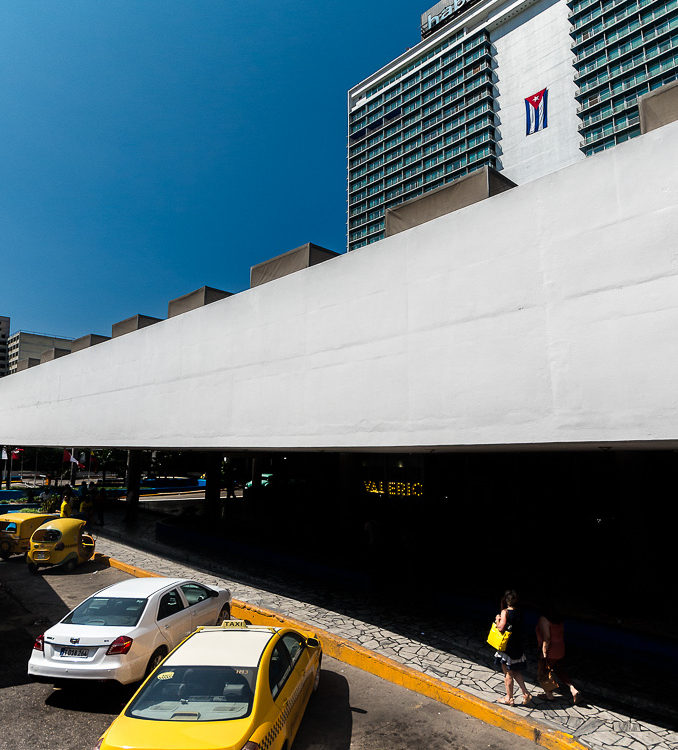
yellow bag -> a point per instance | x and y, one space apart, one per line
497 639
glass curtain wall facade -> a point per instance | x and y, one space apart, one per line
427 124
622 50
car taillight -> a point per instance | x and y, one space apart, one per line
250 746
121 645
39 644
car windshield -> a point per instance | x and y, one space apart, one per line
181 693
107 610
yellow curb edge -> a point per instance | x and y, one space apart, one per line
381 666
126 568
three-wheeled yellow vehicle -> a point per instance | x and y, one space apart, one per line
61 542
16 530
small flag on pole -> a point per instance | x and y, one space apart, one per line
68 457
536 112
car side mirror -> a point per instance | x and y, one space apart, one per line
313 642
213 593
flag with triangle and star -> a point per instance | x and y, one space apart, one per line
536 112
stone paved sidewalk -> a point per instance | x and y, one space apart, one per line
598 728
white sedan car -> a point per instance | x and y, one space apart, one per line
124 631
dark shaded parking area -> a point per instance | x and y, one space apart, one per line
33 715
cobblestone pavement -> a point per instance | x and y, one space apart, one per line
447 654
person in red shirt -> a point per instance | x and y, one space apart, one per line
551 644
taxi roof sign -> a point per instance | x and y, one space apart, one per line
235 625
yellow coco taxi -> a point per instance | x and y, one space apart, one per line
60 542
233 687
16 530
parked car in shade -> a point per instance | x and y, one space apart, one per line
16 530
235 687
124 631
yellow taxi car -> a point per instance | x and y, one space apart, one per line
232 687
60 542
16 530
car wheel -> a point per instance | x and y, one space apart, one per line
316 682
5 550
158 655
32 568
225 614
69 567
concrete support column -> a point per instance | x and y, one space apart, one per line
348 482
213 485
257 468
133 484
72 468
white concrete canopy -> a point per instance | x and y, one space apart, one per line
544 315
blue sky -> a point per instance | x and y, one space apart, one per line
151 147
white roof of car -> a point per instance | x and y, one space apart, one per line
222 648
139 587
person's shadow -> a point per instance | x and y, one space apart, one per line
328 721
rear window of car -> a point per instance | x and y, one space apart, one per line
107 610
196 694
46 535
8 526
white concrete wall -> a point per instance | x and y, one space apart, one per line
532 53
547 314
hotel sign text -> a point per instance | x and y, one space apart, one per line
441 14
398 489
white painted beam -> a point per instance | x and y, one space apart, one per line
544 315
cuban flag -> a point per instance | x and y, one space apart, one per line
536 112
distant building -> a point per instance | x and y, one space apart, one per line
526 88
4 336
28 348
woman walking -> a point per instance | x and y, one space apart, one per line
512 662
551 643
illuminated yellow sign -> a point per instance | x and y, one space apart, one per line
399 489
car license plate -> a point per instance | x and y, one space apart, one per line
41 555
80 653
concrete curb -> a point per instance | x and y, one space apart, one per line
399 674
126 568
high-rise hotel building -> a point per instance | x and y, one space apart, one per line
4 338
523 87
